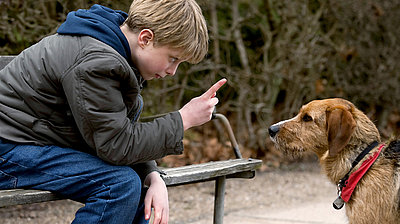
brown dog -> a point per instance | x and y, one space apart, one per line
347 145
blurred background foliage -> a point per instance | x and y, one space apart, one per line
276 54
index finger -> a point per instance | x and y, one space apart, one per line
210 93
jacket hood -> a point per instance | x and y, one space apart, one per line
101 23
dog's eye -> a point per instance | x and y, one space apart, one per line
307 118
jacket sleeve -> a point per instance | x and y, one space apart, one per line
143 169
93 89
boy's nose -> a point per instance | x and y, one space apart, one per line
171 70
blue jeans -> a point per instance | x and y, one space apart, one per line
111 194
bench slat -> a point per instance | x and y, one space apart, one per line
207 171
242 168
20 197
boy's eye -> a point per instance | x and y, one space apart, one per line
307 118
173 59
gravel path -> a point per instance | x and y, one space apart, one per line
270 190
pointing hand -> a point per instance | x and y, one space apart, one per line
199 110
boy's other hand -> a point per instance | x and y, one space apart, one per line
156 198
199 110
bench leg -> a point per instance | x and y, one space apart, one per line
219 200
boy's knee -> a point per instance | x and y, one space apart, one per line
129 180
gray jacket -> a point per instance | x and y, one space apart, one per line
77 92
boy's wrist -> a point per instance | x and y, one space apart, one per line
151 177
184 120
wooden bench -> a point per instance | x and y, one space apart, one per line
217 171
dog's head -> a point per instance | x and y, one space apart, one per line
324 126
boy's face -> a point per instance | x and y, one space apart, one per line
156 62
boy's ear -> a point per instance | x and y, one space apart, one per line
145 37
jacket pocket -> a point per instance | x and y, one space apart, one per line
60 135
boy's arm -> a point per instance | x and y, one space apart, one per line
93 90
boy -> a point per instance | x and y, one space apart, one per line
69 107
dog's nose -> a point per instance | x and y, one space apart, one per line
272 130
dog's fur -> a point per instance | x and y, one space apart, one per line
338 132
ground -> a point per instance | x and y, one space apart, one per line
272 191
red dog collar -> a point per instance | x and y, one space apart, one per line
349 182
356 176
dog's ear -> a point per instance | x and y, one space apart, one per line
340 126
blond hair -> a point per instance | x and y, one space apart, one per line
178 24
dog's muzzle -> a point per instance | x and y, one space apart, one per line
273 130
